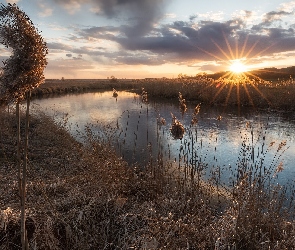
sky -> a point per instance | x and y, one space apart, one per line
91 39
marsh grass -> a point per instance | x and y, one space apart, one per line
242 92
66 86
82 195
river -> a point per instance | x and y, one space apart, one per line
222 138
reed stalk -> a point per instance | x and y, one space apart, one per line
24 239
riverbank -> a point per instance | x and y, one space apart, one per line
83 196
240 93
56 86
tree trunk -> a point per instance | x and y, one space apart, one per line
25 245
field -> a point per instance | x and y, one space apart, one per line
84 196
237 92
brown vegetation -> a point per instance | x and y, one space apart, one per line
237 92
64 86
82 196
226 92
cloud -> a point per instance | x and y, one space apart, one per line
270 20
56 27
140 39
46 11
212 16
248 14
138 58
193 17
79 57
105 32
274 16
287 6
183 41
245 15
141 15
170 15
57 48
57 45
72 6
211 67
67 68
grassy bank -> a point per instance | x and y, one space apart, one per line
238 92
56 86
83 196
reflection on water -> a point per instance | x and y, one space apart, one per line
138 136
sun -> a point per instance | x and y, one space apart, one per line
237 66
238 75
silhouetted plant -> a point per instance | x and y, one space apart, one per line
177 129
21 73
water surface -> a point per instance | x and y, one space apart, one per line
139 138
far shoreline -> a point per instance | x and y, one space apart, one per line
260 94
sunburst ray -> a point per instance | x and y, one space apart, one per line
242 57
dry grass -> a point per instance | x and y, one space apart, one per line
83 196
243 92
54 86
237 92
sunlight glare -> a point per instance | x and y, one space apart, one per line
237 66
